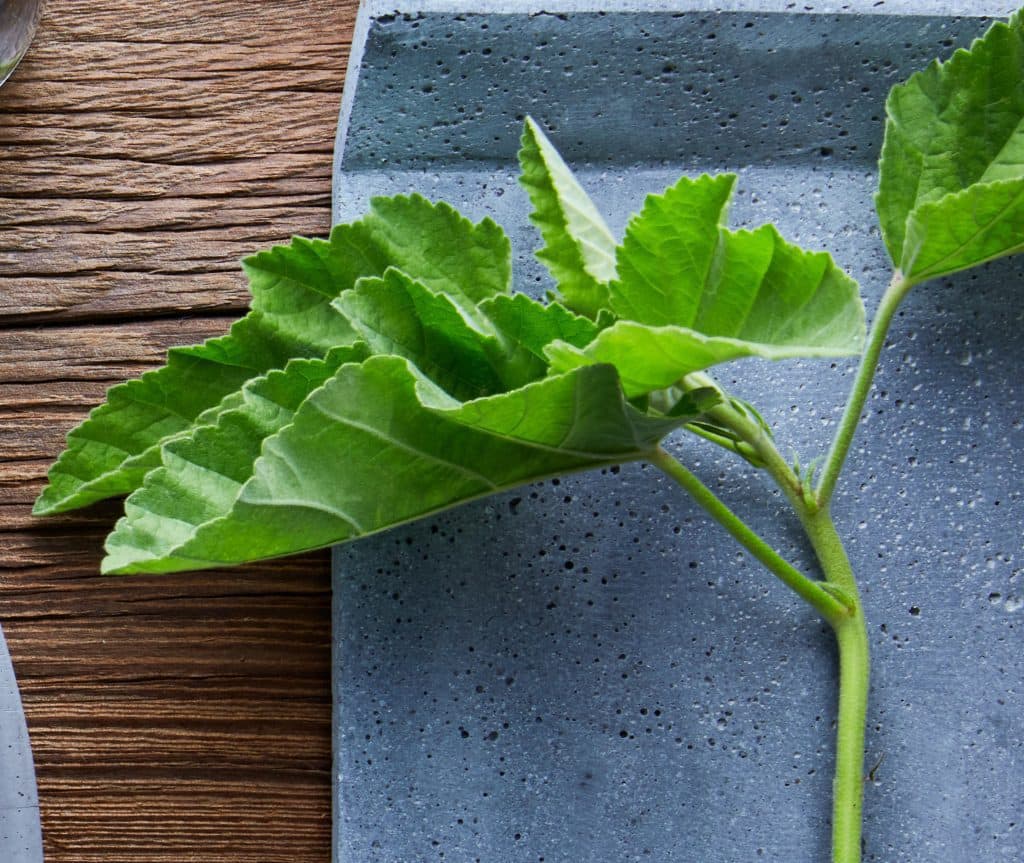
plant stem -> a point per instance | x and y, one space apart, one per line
827 604
845 615
890 301
755 437
854 677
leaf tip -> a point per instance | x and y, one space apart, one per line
42 506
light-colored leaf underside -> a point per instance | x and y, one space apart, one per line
951 175
579 249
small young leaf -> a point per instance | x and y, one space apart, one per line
579 250
678 266
377 445
671 258
951 175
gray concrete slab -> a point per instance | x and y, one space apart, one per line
589 670
20 837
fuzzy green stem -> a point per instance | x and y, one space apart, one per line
825 602
890 301
753 436
854 673
741 448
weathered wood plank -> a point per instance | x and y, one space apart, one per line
165 214
196 24
97 297
107 353
286 816
144 148
182 141
135 182
97 178
55 251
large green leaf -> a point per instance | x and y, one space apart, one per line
691 294
379 444
204 469
292 316
110 453
951 176
579 249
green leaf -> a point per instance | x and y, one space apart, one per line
292 316
951 175
579 250
438 246
377 445
398 315
692 294
674 254
525 327
110 453
962 230
205 469
292 285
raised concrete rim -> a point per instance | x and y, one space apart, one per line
370 10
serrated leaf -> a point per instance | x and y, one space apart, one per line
292 285
579 249
110 453
671 258
438 246
692 294
203 471
292 316
400 316
525 327
379 444
951 174
962 230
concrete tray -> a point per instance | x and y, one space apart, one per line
20 838
589 670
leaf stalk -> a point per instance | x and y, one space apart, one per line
819 597
840 448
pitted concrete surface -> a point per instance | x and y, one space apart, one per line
587 669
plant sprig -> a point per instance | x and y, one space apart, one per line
389 372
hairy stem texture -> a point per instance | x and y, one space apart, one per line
854 673
846 617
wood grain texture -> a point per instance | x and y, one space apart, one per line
146 146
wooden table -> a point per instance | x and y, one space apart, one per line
146 146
